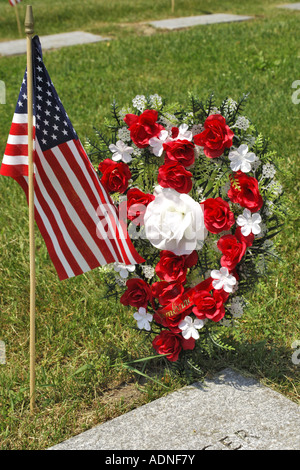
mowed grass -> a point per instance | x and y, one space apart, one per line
83 339
98 16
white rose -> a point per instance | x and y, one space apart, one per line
174 222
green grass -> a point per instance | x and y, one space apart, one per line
52 16
83 340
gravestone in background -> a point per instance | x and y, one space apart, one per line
53 41
188 21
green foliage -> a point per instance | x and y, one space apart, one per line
211 178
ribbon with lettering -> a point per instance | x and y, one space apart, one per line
185 301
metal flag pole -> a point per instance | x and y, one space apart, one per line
173 6
29 29
18 20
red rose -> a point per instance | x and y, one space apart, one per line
137 201
174 132
167 292
174 175
172 321
241 238
171 344
209 306
232 249
244 191
205 285
138 293
115 175
181 151
173 267
143 127
217 215
216 136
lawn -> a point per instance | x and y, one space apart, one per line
83 338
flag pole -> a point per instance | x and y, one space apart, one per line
18 20
29 29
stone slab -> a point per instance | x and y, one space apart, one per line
2 352
53 41
185 22
229 412
291 6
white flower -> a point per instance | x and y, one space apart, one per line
174 222
136 151
124 269
214 110
225 322
200 192
189 327
155 100
157 143
231 104
229 107
122 113
197 128
249 223
255 165
222 279
242 123
241 159
120 281
124 134
269 208
275 187
268 170
148 271
143 319
184 133
139 102
168 120
237 307
121 152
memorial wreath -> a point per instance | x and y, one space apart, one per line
196 190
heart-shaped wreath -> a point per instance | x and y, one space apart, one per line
197 191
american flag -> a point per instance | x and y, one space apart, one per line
73 211
14 2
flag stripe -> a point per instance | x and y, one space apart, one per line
18 129
62 267
128 255
66 192
55 192
103 198
53 246
15 160
14 2
14 171
82 206
19 148
73 159
22 118
19 139
65 241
